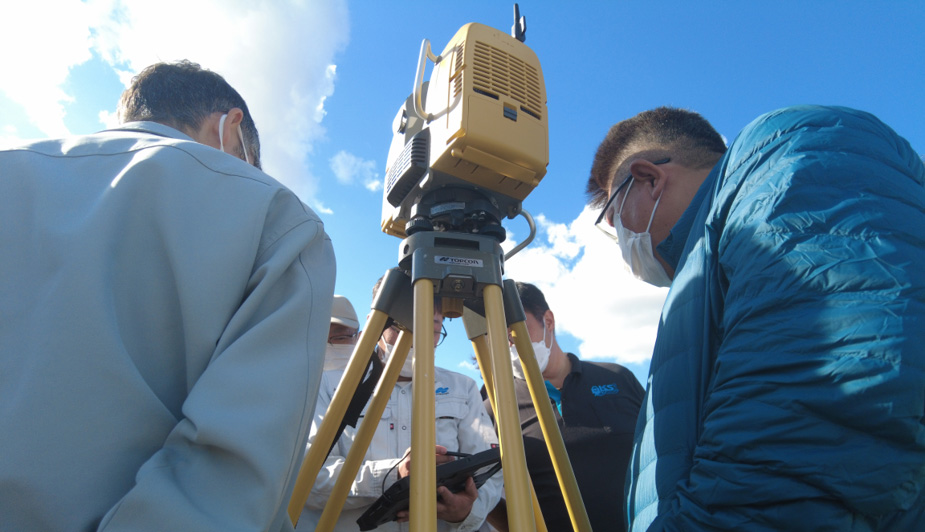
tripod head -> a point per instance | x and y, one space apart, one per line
459 210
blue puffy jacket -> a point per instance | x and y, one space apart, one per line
787 384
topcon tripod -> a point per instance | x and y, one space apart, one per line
460 268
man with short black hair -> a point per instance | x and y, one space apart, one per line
195 101
595 405
162 323
786 385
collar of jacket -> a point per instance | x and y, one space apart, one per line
672 248
153 128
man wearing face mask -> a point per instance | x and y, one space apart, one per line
786 383
342 334
163 306
462 425
595 404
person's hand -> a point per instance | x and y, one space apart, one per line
404 467
454 507
451 507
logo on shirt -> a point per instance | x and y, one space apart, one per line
442 391
605 389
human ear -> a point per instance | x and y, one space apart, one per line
650 175
550 320
231 123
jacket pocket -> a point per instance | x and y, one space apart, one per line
449 414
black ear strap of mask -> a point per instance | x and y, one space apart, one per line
362 393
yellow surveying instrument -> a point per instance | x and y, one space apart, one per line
468 147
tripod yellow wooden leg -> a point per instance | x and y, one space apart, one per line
513 458
364 435
423 502
480 346
547 419
336 410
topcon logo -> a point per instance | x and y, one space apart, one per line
458 261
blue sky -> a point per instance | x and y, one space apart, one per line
324 79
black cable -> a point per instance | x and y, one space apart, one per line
389 472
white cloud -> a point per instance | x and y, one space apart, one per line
468 365
110 119
320 208
349 168
278 55
613 315
41 42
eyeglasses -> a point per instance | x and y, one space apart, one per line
605 219
442 335
342 338
439 340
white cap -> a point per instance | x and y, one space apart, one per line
342 313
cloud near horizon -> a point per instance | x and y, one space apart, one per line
249 43
611 314
62 41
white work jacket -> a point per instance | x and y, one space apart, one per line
462 425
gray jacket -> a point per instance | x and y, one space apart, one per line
163 313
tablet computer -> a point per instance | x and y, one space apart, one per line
480 466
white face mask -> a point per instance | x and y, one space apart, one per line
336 356
221 143
540 349
407 369
637 249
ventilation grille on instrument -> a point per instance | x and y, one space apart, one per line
496 73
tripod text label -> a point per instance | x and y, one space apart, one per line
458 261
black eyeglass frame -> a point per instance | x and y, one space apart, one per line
442 335
439 341
616 192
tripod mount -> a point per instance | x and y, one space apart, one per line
465 270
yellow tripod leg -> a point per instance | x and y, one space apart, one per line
364 435
480 346
335 414
547 419
423 501
513 458
482 354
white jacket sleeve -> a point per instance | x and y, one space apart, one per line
368 485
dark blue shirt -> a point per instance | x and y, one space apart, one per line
599 403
